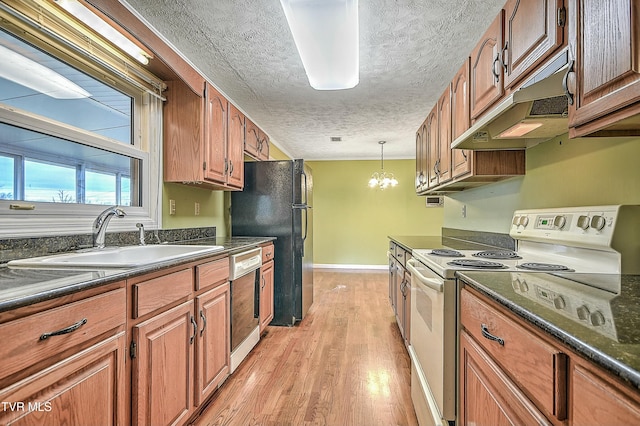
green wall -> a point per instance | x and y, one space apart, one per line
560 173
352 221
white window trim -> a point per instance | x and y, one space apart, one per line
47 219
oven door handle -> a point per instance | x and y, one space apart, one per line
433 283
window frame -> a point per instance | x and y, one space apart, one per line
25 218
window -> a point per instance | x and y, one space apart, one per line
76 135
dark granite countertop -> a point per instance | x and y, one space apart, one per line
25 286
614 346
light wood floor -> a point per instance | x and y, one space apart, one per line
345 364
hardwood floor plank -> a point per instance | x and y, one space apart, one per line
344 364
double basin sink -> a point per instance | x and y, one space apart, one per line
116 257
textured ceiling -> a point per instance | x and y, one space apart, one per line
409 51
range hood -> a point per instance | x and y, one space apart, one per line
534 113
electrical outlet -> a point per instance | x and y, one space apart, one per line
464 210
197 209
172 207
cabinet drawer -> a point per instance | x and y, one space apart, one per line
267 253
27 341
156 293
211 273
537 367
400 255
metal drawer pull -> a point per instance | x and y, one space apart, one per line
67 330
485 333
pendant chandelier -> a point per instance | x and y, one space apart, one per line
382 179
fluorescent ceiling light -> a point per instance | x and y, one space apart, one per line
105 29
35 76
326 35
519 129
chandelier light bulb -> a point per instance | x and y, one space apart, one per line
382 179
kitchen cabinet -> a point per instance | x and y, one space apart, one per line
266 294
213 340
421 158
164 367
440 148
534 31
605 82
180 340
63 360
460 120
256 142
597 400
400 289
235 148
512 372
487 74
203 138
488 396
449 169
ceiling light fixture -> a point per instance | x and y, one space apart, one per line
326 35
382 179
105 28
35 76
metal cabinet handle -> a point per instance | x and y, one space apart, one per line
486 334
565 83
195 330
204 322
67 330
230 168
495 67
264 283
504 54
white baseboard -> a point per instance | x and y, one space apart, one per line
341 266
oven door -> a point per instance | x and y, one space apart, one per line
433 345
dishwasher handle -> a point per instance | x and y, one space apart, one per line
436 284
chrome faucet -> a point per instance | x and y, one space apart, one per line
101 222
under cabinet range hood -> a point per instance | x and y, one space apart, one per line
534 113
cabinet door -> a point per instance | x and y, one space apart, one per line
266 294
163 367
460 120
400 284
252 139
444 137
235 150
215 130
486 69
487 396
213 344
596 401
604 40
532 33
393 271
263 147
84 389
419 158
433 147
407 308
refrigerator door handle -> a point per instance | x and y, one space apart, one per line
306 192
303 207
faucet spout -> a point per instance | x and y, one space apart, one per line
101 222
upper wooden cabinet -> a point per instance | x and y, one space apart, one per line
604 42
203 138
440 169
534 30
460 120
486 68
256 143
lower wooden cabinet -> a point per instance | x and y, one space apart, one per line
163 367
213 346
528 377
487 395
266 294
86 388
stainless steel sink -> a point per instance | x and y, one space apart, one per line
116 257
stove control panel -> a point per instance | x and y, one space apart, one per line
582 304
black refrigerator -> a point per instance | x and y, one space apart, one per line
276 202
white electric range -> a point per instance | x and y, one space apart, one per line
600 242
